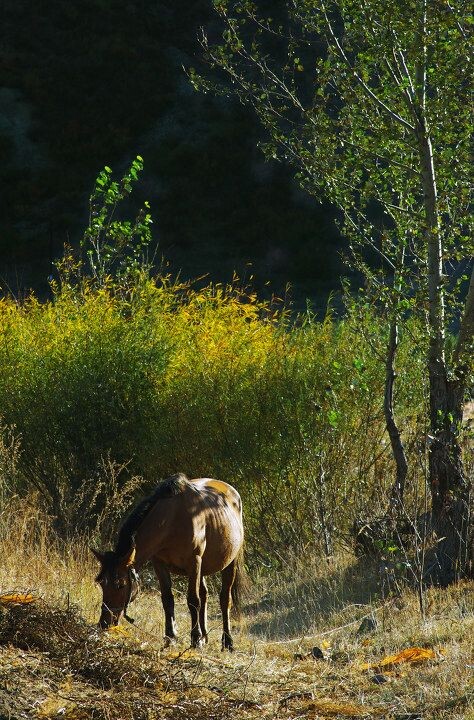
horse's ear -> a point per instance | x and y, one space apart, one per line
129 558
99 556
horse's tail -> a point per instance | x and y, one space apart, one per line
241 582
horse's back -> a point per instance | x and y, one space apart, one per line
218 492
221 520
202 517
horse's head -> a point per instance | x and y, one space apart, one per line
119 582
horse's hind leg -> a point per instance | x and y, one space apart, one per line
203 609
167 599
228 577
194 601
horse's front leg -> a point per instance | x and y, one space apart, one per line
228 577
194 601
167 599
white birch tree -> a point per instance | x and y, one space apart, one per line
371 104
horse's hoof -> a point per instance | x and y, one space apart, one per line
227 643
197 642
168 641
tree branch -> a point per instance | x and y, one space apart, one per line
391 113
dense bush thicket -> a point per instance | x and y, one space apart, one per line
107 389
123 378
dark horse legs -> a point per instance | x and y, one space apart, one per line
203 609
197 603
228 577
167 599
194 601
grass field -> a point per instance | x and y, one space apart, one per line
55 663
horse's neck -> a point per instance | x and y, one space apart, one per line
143 555
146 541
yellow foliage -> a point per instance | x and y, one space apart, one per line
118 630
16 599
413 656
162 376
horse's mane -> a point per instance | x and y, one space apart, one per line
174 485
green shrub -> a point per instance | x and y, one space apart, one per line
123 369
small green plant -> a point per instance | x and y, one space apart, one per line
116 248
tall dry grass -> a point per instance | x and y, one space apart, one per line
272 674
35 560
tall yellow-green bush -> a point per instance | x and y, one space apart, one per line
210 382
125 377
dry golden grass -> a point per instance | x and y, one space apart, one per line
54 663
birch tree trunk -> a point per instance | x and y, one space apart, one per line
396 442
449 488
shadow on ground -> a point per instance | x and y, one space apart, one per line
296 606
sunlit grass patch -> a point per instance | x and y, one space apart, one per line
129 673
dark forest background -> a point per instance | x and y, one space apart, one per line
94 83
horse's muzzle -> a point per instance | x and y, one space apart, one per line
109 618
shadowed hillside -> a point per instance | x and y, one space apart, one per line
92 83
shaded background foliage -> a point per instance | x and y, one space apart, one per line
84 84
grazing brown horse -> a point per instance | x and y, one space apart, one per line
187 527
